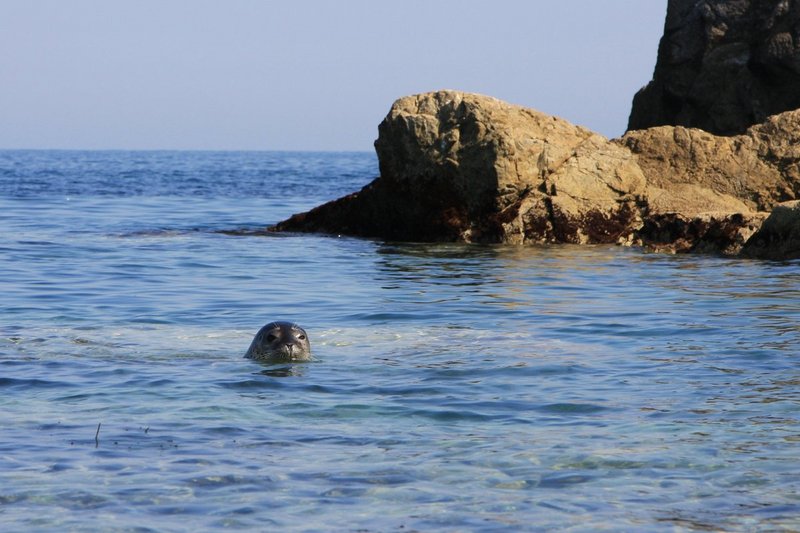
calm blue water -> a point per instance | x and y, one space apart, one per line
456 388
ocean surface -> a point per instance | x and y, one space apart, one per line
454 388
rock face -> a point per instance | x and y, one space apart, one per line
458 166
708 193
723 65
779 236
754 171
713 233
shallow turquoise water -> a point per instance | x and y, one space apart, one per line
456 388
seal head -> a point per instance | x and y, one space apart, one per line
280 342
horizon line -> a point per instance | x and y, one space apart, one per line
265 150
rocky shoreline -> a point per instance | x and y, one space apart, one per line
457 166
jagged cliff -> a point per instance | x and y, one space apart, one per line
723 66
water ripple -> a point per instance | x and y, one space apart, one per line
455 387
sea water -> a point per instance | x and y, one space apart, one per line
454 387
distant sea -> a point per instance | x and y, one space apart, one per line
455 387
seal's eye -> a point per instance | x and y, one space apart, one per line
301 337
271 337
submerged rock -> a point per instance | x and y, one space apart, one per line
723 65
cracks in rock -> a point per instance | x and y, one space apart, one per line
551 214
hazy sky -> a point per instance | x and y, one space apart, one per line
304 74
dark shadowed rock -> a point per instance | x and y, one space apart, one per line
779 236
723 65
713 233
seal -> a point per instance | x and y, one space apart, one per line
280 342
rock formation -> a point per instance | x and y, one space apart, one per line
464 167
458 166
713 146
754 171
723 65
708 193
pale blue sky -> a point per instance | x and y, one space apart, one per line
304 74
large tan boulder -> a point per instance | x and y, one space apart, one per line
460 166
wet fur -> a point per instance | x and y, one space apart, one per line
280 342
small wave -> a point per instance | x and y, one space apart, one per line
32 383
572 408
